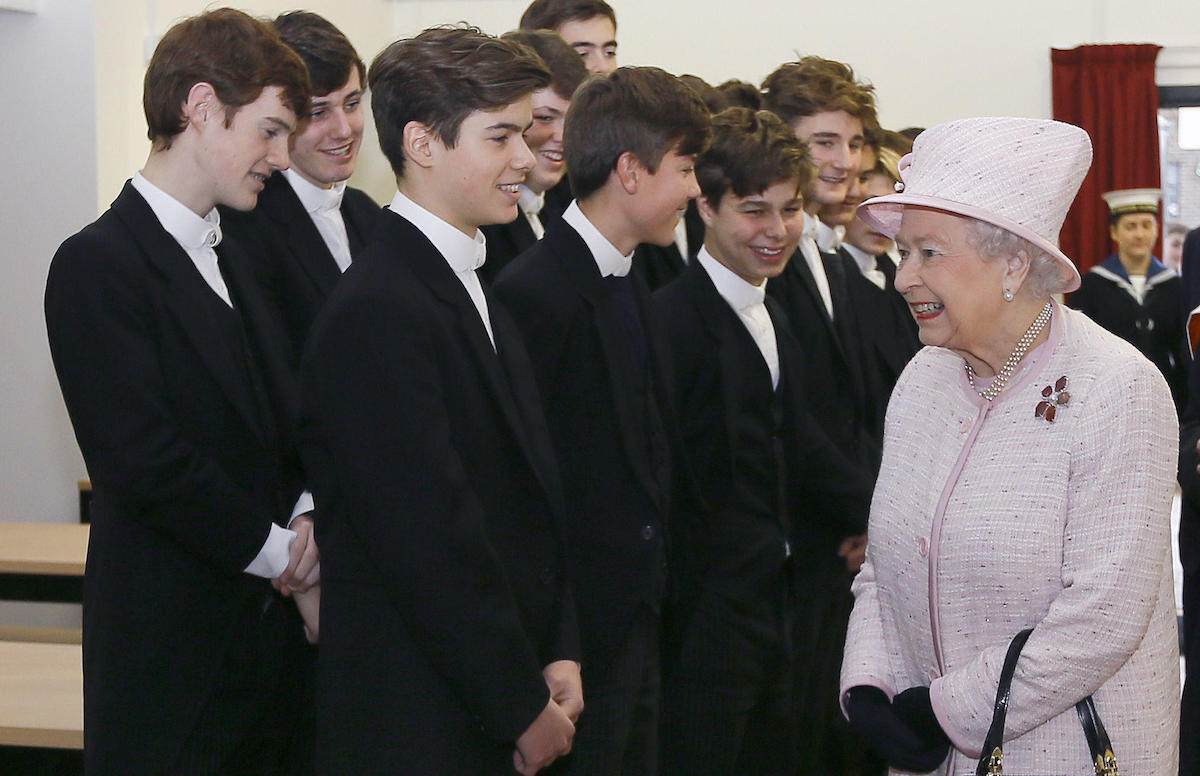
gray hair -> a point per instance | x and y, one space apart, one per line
1046 273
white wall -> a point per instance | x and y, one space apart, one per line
47 191
931 61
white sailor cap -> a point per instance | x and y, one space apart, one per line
1125 201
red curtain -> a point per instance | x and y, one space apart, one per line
1110 92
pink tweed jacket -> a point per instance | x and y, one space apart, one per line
988 518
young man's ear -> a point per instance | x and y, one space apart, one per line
419 141
629 171
708 213
202 104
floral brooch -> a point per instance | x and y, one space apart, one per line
1053 397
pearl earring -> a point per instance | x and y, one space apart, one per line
1008 295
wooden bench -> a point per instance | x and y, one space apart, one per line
42 561
43 549
41 695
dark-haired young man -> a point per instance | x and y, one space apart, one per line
177 378
448 638
309 224
588 26
631 140
761 469
831 111
545 141
660 264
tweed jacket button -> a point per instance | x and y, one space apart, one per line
647 532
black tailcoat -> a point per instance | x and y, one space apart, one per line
764 480
733 521
607 423
182 408
290 256
837 389
441 534
888 332
504 243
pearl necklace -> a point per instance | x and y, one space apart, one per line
1023 344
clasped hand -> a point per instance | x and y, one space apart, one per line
551 734
304 560
905 731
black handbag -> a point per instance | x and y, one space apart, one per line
992 761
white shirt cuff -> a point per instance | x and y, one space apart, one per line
272 560
304 504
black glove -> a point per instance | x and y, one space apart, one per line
898 741
914 709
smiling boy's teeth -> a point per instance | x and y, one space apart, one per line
769 251
512 188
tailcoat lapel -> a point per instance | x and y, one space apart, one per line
189 298
431 267
580 267
281 203
728 335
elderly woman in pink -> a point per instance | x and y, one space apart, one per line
1028 467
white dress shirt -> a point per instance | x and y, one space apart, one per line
748 301
812 257
464 254
199 238
531 207
866 265
681 239
324 207
609 260
829 238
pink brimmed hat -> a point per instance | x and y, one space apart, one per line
1019 174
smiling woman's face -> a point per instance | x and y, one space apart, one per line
954 294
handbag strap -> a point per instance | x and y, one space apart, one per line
991 763
1097 737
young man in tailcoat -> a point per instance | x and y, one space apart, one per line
309 224
448 636
178 380
631 140
761 470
